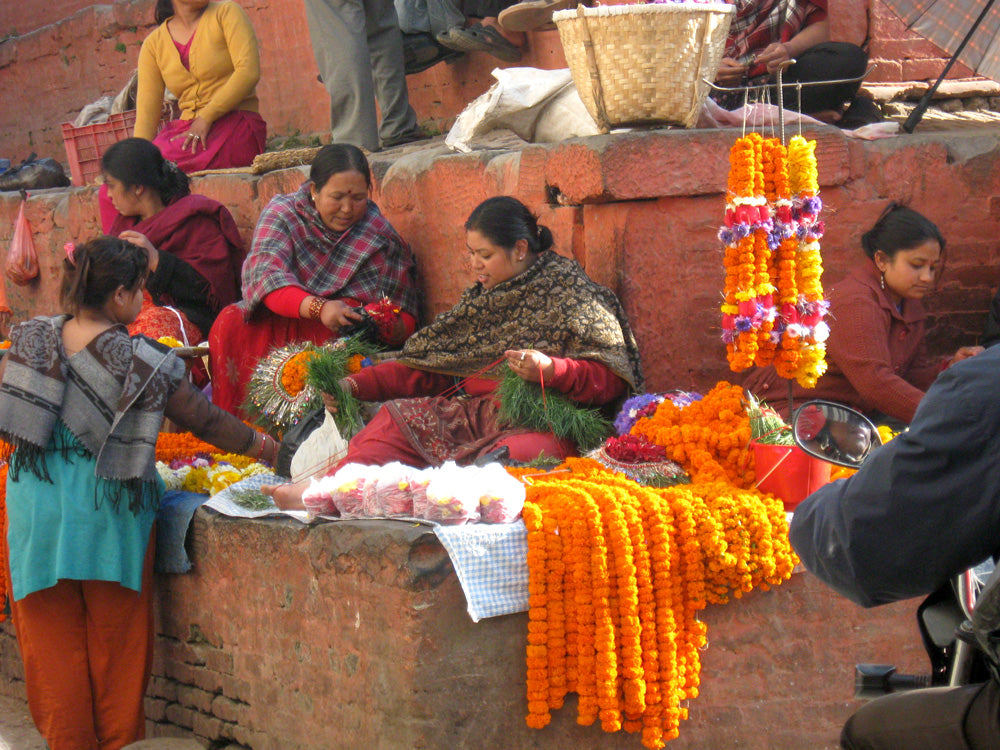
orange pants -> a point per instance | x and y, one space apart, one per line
87 648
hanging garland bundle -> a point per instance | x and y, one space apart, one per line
747 294
617 574
278 395
811 330
774 306
523 404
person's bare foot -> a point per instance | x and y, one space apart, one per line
829 116
287 496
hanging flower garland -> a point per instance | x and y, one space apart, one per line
747 290
617 574
812 330
774 307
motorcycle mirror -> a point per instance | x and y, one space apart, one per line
834 433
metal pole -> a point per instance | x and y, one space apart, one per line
918 112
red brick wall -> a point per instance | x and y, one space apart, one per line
355 636
898 54
21 18
53 72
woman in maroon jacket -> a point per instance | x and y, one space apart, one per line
876 352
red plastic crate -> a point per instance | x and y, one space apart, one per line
86 145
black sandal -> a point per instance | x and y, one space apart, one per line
479 38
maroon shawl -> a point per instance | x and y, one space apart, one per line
201 232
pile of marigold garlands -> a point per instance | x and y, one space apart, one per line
774 306
186 463
619 571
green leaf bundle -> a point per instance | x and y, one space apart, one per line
521 404
327 368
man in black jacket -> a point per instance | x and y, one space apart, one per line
922 508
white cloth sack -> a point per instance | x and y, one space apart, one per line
319 450
540 106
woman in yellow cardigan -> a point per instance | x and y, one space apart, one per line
205 52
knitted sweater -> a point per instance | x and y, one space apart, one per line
225 68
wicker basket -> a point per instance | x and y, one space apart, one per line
644 64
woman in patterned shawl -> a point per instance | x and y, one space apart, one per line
531 310
317 256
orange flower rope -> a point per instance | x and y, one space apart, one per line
708 438
637 565
180 445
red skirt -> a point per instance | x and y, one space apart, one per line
233 141
235 347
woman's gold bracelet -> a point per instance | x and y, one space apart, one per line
315 308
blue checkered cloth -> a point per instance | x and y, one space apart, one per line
491 561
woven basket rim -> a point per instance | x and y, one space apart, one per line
603 11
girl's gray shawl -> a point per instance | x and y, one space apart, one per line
110 395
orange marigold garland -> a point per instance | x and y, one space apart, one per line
171 446
637 564
773 308
708 438
747 280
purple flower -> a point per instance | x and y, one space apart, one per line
631 409
743 324
726 236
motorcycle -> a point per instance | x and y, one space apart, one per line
844 437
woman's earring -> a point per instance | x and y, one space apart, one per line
881 280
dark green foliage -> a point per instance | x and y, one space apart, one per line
326 369
521 404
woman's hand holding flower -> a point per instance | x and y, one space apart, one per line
337 314
530 364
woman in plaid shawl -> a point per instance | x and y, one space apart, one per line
765 34
317 256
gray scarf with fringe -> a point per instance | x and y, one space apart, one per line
109 395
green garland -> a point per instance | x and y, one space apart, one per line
327 368
521 404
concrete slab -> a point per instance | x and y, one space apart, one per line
17 730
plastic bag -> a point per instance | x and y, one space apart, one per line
348 487
387 494
318 450
501 497
451 497
318 498
22 260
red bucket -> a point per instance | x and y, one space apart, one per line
788 472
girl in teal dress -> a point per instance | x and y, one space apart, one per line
81 405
